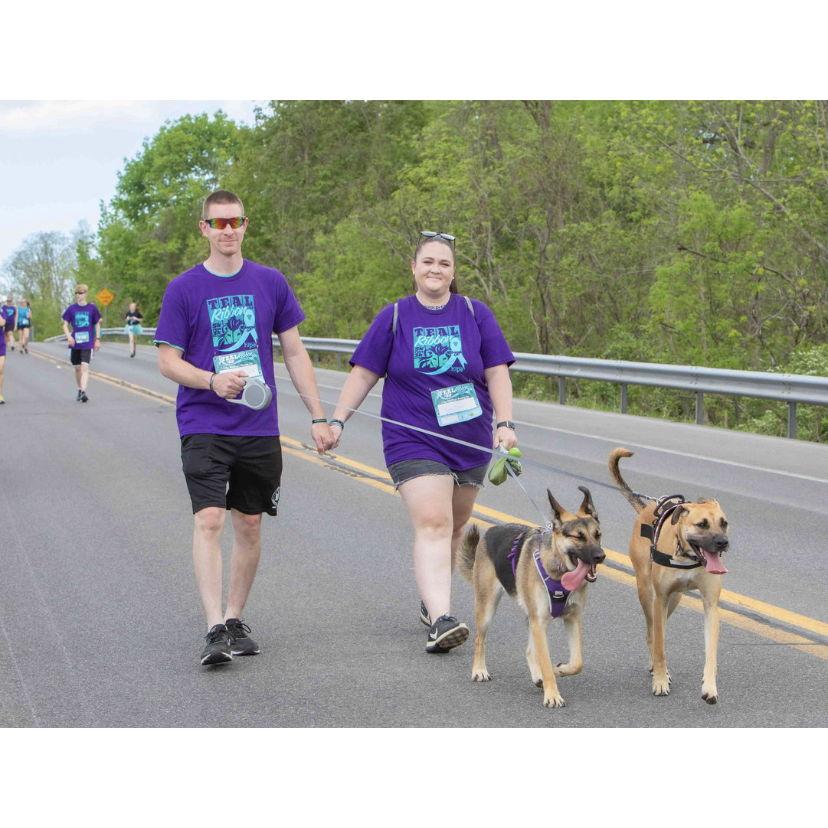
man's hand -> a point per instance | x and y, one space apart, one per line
71 340
230 384
97 344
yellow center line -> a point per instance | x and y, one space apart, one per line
296 448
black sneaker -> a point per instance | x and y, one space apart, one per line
241 644
217 650
445 633
80 394
83 397
425 618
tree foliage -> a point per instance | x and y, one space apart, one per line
671 231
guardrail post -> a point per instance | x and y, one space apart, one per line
700 407
792 420
624 400
561 390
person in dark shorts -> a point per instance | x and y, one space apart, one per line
82 326
132 319
214 331
2 356
446 368
8 311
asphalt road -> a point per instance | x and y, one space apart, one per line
100 622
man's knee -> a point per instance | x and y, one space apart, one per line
210 519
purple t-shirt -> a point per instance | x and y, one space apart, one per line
224 323
8 312
82 319
434 372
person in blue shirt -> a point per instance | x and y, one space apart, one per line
24 325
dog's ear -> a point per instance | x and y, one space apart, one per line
557 509
677 513
587 507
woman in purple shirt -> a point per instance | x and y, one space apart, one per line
446 367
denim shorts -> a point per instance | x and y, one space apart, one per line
409 469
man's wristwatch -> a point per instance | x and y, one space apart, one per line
506 424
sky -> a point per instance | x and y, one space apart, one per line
60 159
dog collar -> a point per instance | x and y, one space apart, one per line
555 591
664 508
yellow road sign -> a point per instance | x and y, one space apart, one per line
105 296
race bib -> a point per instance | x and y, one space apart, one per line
247 361
81 337
456 404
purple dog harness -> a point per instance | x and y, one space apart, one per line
555 590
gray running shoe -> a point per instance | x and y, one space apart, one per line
217 650
446 633
241 644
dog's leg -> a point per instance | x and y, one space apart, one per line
487 595
710 692
661 678
574 631
534 669
540 646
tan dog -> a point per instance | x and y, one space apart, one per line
506 560
691 540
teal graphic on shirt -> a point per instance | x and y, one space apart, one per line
81 319
233 323
233 329
438 349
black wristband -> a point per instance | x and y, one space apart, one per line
322 420
212 377
337 422
506 424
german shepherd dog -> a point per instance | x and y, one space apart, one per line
506 560
695 533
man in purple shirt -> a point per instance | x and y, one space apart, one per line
213 335
82 326
9 314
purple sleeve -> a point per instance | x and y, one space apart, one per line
374 349
173 324
66 315
96 316
289 312
494 349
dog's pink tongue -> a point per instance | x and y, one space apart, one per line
713 563
572 580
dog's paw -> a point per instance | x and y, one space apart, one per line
710 694
481 675
538 682
661 685
568 669
554 700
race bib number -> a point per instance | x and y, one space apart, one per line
81 337
456 404
247 361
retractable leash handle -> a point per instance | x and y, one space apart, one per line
256 394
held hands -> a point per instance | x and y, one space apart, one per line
323 437
229 384
336 432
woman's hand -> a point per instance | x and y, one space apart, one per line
505 437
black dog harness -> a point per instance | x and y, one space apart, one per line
555 590
665 506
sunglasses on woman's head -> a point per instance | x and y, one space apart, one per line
221 223
430 234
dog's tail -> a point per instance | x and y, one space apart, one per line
615 456
467 551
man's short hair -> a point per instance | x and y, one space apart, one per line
220 197
82 286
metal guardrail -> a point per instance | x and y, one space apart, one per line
788 388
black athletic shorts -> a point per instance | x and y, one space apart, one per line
242 473
80 355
